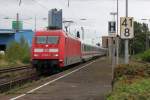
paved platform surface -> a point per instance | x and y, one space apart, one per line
92 82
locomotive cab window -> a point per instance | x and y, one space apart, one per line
52 39
41 39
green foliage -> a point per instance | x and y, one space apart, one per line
25 50
146 56
131 82
18 51
138 90
13 51
138 43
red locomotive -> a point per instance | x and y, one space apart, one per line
54 49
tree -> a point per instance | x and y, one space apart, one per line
137 44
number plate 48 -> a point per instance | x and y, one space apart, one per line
127 27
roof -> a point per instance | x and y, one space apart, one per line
11 31
7 31
55 33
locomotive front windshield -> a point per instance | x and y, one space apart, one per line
47 39
41 39
52 40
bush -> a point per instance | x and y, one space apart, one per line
132 70
13 52
18 51
25 50
146 56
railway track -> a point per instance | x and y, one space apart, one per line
11 69
13 77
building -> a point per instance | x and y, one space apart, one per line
105 40
27 34
55 18
9 35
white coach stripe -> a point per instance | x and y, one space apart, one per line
51 82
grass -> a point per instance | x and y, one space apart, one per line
135 89
131 82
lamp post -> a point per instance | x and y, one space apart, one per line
67 24
82 28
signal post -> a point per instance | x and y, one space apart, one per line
126 31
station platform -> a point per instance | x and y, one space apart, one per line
89 81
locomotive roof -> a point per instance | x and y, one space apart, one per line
54 33
50 33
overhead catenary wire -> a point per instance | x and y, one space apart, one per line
20 1
41 5
68 3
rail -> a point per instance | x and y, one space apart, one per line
12 69
23 74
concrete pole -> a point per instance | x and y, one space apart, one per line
82 33
68 3
147 45
110 48
35 23
17 22
126 40
117 38
112 45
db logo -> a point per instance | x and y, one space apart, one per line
46 50
46 46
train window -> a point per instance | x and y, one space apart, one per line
41 39
52 39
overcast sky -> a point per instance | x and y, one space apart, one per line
95 11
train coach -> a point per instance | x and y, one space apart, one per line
90 51
54 50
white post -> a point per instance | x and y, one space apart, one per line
35 23
17 21
126 40
68 3
82 33
117 38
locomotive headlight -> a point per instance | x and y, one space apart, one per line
36 55
56 55
61 60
